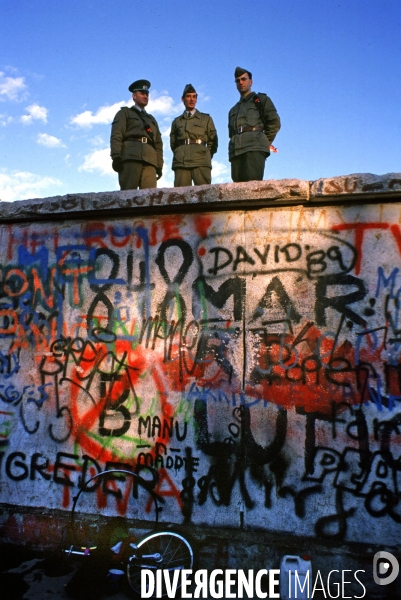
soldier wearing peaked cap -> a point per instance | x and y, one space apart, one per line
136 143
252 125
193 140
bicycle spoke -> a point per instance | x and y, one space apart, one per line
174 550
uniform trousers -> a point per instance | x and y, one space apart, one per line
137 174
199 175
248 166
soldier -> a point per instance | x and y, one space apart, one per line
136 143
193 140
252 126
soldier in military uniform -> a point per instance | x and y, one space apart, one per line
135 142
193 140
252 125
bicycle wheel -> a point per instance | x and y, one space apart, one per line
175 553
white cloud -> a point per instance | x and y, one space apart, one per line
97 141
162 104
36 112
49 141
167 179
11 88
98 161
159 104
21 185
166 135
220 172
5 120
104 114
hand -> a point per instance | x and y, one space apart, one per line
159 173
117 164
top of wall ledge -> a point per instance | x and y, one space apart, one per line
360 186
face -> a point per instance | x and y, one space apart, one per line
190 100
141 99
243 84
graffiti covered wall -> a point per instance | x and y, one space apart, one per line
245 363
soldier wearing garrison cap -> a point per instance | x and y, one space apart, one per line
252 126
136 143
193 140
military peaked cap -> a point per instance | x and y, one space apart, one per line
189 89
141 85
239 71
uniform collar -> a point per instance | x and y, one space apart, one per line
248 97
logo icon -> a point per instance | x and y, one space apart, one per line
385 568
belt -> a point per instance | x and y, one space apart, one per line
142 139
244 129
188 141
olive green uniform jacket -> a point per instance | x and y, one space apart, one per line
246 114
198 127
127 122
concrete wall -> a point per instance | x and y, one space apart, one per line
238 346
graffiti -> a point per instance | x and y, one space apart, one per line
237 454
244 364
281 258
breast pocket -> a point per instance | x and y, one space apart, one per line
253 117
179 132
196 130
134 125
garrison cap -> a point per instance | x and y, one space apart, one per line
141 85
189 89
239 71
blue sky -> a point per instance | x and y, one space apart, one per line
332 68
